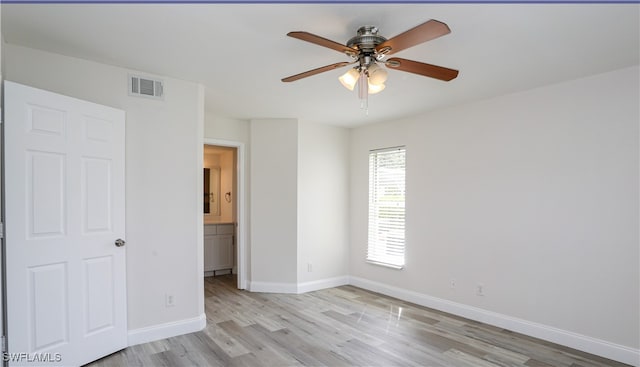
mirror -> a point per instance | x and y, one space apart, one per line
212 191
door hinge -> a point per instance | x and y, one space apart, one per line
4 345
1 230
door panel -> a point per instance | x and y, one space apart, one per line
48 304
46 195
46 121
96 173
98 300
64 195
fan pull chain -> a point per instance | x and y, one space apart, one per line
363 91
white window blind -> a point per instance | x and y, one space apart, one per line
386 207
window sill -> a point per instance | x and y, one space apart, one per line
392 266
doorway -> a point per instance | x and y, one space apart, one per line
223 209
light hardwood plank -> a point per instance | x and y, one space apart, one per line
343 326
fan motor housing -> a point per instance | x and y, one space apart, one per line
366 39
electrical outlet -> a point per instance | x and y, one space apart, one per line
480 290
309 268
452 283
170 300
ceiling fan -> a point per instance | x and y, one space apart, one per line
368 49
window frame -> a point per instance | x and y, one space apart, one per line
386 238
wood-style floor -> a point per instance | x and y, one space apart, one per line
344 326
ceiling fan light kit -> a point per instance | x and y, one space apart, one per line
375 88
350 78
368 49
377 75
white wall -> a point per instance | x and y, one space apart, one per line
274 181
323 202
223 128
533 194
163 178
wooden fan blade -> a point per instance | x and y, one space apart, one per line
306 36
420 68
315 71
424 32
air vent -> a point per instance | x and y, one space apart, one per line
145 87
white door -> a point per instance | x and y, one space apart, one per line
64 192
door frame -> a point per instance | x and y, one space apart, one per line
241 229
3 261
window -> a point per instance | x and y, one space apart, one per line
386 207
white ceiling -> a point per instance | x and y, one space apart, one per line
240 52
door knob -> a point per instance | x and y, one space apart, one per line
120 242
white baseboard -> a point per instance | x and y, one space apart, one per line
269 287
322 284
297 288
167 330
570 339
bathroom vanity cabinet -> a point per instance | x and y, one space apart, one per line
218 247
